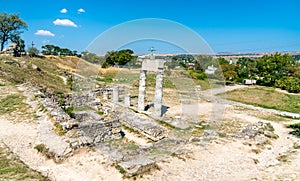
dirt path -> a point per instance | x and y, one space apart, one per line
233 159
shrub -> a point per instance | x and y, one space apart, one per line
106 79
121 170
69 111
296 128
100 112
41 148
290 84
197 74
59 129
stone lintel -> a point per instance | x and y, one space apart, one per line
153 65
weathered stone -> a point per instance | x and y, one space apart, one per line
154 65
137 166
35 67
75 144
85 140
143 124
260 128
127 100
116 156
270 134
115 95
105 95
142 91
90 128
87 116
210 134
194 139
261 140
157 111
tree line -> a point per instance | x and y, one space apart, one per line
276 70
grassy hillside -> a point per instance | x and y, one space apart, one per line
45 73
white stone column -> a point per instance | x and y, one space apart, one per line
127 100
142 91
105 95
115 94
157 111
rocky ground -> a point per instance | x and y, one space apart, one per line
243 147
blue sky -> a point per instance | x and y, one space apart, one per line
226 25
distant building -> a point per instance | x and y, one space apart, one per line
249 81
210 70
190 65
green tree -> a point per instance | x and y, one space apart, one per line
274 67
229 72
20 45
121 57
32 51
50 50
65 52
124 56
203 61
11 27
111 58
247 67
57 51
222 61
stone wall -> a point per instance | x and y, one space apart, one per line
88 126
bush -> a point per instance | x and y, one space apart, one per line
197 74
296 128
239 80
41 148
69 111
106 79
59 129
121 170
288 83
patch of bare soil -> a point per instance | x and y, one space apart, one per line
237 159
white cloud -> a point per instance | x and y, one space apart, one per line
64 22
44 33
81 10
64 10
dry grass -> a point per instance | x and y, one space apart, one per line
13 72
231 125
11 168
266 97
12 103
111 70
262 115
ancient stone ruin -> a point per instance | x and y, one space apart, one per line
152 65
